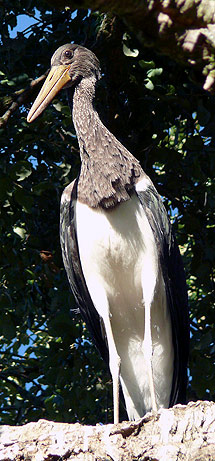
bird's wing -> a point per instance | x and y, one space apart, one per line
71 259
175 283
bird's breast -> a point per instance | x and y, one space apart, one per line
114 246
120 263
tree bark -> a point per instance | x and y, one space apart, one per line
11 103
180 433
181 29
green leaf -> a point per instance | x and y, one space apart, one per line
149 85
152 73
5 187
66 168
57 105
7 326
19 231
5 301
24 199
41 187
20 170
146 64
20 78
132 53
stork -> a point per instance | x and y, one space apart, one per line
121 257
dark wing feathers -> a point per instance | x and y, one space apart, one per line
175 283
73 268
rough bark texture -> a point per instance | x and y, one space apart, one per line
181 433
182 29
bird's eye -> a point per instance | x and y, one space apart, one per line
68 54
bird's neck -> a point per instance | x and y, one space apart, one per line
108 170
86 120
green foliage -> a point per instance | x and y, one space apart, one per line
48 366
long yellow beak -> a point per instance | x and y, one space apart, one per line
56 79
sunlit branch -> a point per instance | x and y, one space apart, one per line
21 99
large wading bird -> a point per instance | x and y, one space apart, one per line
120 255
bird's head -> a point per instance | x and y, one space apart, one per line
69 64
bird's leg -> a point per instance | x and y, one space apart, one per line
114 364
102 306
148 353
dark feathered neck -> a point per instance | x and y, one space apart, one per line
108 170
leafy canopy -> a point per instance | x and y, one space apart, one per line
49 367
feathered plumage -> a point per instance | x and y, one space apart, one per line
119 252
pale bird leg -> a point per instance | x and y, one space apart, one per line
114 364
147 350
99 296
149 280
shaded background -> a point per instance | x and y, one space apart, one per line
156 107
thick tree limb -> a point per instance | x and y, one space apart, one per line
181 433
182 29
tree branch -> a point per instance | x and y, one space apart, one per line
20 98
181 29
182 433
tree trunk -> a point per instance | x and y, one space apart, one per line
181 29
180 433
